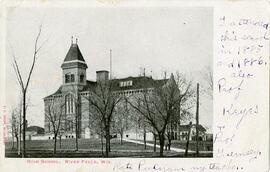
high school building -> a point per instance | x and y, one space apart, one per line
75 87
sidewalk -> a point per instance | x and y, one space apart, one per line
152 145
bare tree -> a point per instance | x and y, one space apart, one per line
97 126
15 127
181 113
95 122
24 85
120 122
159 105
104 101
54 114
144 104
121 118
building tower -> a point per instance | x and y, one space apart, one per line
74 69
74 80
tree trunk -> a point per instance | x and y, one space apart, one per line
12 141
24 122
161 144
170 136
169 143
107 141
121 138
20 132
60 142
55 141
155 143
101 138
186 152
144 138
17 142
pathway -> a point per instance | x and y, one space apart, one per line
152 145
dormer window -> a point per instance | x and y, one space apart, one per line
69 78
125 83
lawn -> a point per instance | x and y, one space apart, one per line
87 148
90 144
92 148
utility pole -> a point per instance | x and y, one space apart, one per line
197 121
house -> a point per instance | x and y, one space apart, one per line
34 132
184 129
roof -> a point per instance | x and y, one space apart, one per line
58 91
137 83
74 58
74 53
38 129
90 85
186 127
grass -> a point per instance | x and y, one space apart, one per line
69 144
88 148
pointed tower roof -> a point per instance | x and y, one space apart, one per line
74 57
74 53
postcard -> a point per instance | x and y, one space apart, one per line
126 86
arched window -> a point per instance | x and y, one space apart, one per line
70 104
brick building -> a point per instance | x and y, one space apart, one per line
76 88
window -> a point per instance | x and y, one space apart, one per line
69 78
72 78
125 83
70 104
81 78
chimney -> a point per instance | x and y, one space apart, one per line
102 75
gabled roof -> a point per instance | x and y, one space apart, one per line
38 129
186 127
74 53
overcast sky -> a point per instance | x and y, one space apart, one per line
158 38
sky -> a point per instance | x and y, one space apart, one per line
158 39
